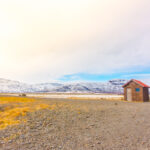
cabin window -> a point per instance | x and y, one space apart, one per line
137 89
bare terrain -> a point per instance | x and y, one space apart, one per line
74 124
70 95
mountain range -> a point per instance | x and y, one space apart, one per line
112 86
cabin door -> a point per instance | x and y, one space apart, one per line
129 94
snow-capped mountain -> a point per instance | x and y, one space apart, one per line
112 86
9 86
45 87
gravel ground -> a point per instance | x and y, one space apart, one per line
82 125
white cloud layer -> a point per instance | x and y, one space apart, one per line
41 40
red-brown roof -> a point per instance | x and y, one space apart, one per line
138 82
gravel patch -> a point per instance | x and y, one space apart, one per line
82 125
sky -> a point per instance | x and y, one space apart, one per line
81 40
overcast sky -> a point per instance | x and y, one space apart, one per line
46 40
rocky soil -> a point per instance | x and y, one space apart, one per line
82 125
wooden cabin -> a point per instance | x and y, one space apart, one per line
136 90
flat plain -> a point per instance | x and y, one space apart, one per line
73 124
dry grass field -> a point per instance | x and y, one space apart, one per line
73 124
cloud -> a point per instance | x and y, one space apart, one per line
43 40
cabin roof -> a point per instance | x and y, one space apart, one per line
138 82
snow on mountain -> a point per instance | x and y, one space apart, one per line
112 86
9 86
45 87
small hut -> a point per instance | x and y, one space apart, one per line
136 90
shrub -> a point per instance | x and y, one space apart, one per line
23 94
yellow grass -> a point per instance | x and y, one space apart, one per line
13 107
6 100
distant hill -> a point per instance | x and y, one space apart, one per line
112 86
